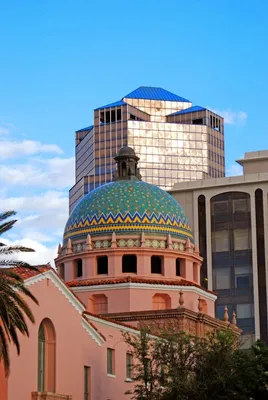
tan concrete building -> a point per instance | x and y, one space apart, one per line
229 217
174 140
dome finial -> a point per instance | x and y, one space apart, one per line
127 165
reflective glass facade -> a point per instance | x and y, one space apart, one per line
173 144
232 257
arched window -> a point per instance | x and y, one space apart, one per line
102 265
46 357
100 303
156 265
61 270
78 268
129 263
178 267
161 301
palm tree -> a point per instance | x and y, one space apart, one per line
14 310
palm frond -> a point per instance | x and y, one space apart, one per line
7 214
14 309
6 226
14 263
6 250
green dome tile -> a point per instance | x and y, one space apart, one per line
127 207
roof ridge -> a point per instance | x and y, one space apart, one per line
155 93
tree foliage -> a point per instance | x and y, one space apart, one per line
178 366
14 310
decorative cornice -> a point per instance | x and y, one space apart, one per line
146 286
93 333
67 293
112 324
60 285
176 313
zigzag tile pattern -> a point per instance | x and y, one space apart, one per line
127 207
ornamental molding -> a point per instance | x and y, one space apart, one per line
67 293
92 333
60 285
146 286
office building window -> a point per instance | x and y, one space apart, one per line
244 311
241 239
129 362
110 362
243 277
220 241
220 207
222 278
240 205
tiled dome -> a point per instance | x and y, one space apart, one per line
127 207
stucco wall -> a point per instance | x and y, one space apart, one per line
74 350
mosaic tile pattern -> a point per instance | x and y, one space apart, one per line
127 207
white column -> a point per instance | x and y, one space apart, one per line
255 265
265 223
209 249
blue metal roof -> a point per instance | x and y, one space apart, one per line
189 110
88 128
117 103
154 93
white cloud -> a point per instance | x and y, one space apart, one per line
4 130
45 173
232 117
234 170
26 168
40 224
9 148
49 200
42 254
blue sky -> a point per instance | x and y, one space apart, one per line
61 59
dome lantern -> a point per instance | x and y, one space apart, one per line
127 165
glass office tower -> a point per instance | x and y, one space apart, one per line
175 141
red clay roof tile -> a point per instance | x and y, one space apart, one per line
134 279
27 273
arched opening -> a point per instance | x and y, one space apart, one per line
61 270
156 265
195 273
202 238
259 210
124 169
102 265
161 301
100 304
129 263
46 357
78 268
178 267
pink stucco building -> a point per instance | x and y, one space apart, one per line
127 259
